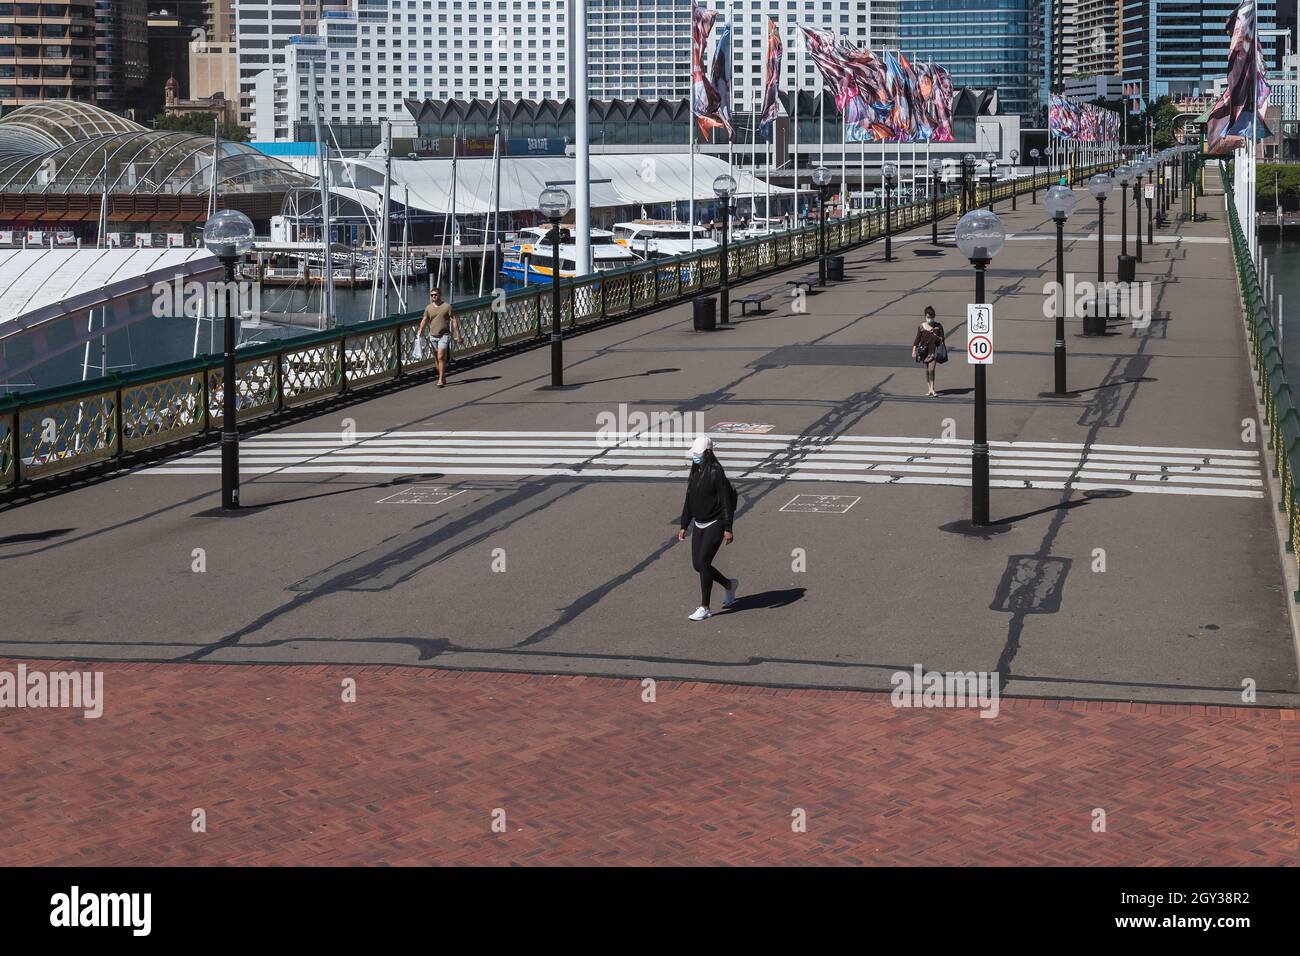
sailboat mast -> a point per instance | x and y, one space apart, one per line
327 293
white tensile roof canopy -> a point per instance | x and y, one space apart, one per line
616 180
41 284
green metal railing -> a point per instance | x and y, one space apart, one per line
1280 414
53 431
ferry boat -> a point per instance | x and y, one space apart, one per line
661 239
530 258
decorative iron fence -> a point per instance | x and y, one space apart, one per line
53 431
1280 414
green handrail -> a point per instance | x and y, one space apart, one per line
1280 414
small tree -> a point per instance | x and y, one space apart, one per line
200 123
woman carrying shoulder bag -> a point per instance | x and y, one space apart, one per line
929 348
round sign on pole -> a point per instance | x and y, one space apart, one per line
979 350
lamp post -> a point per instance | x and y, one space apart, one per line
1059 202
724 187
1033 187
821 177
888 173
968 181
1015 159
1160 189
554 203
936 166
1136 175
1126 267
227 234
1100 187
979 236
1150 168
992 159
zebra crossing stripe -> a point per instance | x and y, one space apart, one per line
846 459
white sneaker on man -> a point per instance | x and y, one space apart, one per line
701 613
730 597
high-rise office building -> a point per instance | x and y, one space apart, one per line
1084 40
47 52
986 44
1175 48
121 52
262 32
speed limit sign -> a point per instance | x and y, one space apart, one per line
979 334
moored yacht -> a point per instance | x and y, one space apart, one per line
661 239
530 258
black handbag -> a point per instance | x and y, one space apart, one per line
941 352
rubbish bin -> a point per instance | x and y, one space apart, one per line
1127 268
705 313
835 268
1094 320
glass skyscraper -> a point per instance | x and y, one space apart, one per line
1175 48
985 44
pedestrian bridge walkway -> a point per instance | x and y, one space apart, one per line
1134 553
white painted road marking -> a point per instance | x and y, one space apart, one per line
861 459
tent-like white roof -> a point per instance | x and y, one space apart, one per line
616 180
41 284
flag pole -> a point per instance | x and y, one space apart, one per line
797 39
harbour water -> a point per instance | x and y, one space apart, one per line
1283 257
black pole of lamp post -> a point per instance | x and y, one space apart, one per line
1137 212
821 234
979 500
724 289
1033 182
230 403
1150 212
934 207
1015 163
991 181
557 336
888 182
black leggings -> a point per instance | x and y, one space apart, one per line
704 546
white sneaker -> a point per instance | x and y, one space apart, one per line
730 597
701 614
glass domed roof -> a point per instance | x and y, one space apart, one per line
63 146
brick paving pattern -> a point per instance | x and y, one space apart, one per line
588 773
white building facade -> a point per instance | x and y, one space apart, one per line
376 54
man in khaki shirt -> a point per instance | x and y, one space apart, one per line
442 325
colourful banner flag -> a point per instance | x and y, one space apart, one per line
881 100
720 78
1238 114
771 89
1083 123
704 98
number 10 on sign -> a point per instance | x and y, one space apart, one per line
979 334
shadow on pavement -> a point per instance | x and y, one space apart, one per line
767 600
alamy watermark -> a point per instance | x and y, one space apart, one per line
652 429
75 690
1077 298
969 689
212 300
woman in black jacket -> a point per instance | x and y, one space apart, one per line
708 507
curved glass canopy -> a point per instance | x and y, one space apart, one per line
62 146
